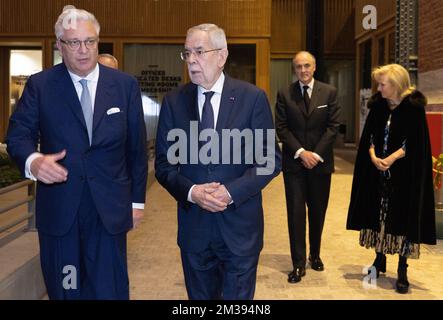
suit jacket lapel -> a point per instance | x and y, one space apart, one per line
298 97
66 90
227 102
191 102
103 97
314 97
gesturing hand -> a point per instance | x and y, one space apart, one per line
47 170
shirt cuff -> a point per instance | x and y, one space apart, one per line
232 201
318 157
32 157
138 206
299 151
190 193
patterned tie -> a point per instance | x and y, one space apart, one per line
86 103
306 98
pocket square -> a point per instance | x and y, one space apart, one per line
112 111
322 106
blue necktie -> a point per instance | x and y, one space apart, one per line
85 101
207 119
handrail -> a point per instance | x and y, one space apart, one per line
29 199
16 204
15 186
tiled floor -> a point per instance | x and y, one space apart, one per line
155 267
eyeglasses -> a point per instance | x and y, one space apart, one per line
75 44
185 55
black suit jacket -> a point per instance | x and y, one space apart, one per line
314 130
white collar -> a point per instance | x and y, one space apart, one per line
217 87
93 76
310 84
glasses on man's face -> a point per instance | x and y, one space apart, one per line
185 55
75 44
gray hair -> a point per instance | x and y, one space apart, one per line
107 55
217 36
69 14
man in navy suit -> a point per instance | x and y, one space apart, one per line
91 167
220 213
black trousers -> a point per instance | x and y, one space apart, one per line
302 189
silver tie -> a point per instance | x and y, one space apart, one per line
86 103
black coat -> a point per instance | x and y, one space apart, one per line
412 208
314 130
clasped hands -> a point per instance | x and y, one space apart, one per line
383 164
308 159
386 163
212 196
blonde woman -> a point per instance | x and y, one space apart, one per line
392 199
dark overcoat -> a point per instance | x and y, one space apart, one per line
411 202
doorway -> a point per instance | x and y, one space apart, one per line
17 64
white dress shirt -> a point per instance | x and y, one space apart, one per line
311 86
217 88
92 86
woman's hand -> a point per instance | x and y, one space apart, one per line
380 164
389 160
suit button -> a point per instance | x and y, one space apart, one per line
90 178
82 178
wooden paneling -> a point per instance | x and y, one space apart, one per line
339 28
140 17
430 49
288 27
385 12
263 65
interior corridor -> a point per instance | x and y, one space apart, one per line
155 268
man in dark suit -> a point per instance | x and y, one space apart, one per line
307 121
220 213
91 167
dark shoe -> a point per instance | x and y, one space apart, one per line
379 264
316 264
402 284
296 274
